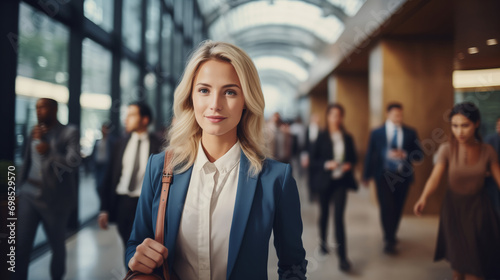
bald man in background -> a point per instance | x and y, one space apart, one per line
47 187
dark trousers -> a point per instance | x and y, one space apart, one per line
54 222
391 197
338 193
125 215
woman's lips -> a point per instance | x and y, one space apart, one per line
215 119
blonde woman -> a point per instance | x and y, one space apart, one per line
226 197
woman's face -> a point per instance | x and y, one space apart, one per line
218 100
335 117
463 128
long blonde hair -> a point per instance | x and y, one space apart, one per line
185 133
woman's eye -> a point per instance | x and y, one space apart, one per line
203 90
230 92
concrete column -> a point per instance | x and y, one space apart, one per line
418 74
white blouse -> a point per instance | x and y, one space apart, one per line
202 244
338 153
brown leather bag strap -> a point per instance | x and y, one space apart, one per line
166 179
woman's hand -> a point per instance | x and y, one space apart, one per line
103 220
346 167
419 207
148 256
331 165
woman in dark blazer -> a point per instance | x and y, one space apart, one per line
226 197
333 159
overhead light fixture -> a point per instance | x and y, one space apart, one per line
483 78
491 42
472 50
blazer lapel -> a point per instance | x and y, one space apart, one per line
242 208
406 144
175 206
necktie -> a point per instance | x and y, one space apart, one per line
394 142
133 179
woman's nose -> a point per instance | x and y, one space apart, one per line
215 102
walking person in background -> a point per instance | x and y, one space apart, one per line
122 184
48 187
491 187
225 198
391 151
333 159
312 132
469 230
101 154
298 132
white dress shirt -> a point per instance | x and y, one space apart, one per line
128 164
313 132
202 244
389 130
338 153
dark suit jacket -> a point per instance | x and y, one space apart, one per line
266 203
322 151
377 148
114 172
110 144
59 168
494 140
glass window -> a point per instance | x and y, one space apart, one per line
198 31
42 72
151 84
153 30
178 8
132 24
129 84
166 36
178 59
167 99
100 12
95 101
188 18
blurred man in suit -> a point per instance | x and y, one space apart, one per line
122 184
47 192
101 154
312 133
392 149
491 186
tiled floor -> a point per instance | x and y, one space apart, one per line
97 254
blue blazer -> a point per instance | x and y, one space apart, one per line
264 203
377 147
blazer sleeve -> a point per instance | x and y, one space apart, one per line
288 231
142 227
368 168
70 159
353 158
318 157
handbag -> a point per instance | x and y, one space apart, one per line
166 179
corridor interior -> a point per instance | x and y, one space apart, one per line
97 254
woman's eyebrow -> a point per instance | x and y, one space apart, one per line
231 85
203 84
